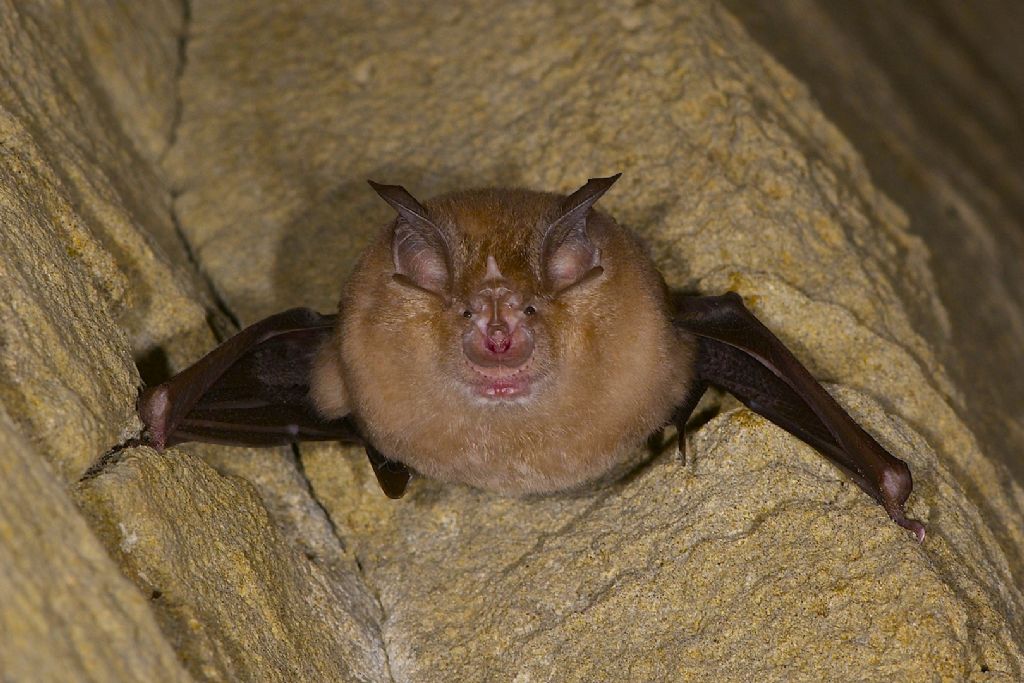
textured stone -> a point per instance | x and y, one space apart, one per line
759 561
236 598
78 280
932 96
135 49
67 614
87 243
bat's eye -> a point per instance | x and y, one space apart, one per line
467 313
529 310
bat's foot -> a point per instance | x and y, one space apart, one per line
681 445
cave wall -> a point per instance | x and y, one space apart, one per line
169 172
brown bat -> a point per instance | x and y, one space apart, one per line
516 341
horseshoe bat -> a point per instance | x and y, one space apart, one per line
516 341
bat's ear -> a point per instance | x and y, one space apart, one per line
418 246
568 255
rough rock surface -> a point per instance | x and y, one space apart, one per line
240 603
146 200
932 94
92 271
78 278
67 613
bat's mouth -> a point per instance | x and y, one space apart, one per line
501 382
500 363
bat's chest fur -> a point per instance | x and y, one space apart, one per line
515 456
561 441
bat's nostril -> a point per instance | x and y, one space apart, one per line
498 339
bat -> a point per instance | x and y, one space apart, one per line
512 340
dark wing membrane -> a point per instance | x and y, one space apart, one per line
738 353
392 476
252 390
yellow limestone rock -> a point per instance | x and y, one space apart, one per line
67 613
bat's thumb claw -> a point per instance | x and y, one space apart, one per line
917 528
912 525
894 488
154 408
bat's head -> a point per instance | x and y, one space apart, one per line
499 321
500 266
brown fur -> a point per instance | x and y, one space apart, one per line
328 388
611 366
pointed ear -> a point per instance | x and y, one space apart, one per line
418 246
568 254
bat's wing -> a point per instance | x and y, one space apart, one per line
392 476
738 353
253 390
